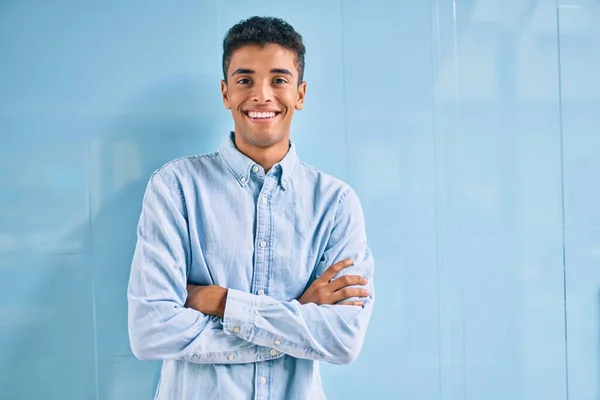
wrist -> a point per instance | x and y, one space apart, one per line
218 301
208 299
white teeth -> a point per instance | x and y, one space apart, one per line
255 114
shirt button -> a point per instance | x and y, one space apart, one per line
231 357
261 292
273 352
236 329
263 380
243 179
277 343
255 168
263 244
264 200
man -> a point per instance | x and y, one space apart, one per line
250 266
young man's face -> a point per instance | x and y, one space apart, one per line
262 93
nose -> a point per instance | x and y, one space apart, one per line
263 93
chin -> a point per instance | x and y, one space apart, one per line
264 139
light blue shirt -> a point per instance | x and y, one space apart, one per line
219 219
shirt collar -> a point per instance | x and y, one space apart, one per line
241 165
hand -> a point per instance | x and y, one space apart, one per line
208 299
325 291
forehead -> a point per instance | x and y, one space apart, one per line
263 59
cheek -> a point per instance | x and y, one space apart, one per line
235 100
290 101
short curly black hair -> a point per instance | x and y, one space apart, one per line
262 31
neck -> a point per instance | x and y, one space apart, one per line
267 156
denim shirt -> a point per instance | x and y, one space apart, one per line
219 219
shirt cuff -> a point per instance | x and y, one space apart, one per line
240 314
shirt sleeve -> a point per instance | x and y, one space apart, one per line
160 326
332 333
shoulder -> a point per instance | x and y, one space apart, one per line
327 186
176 173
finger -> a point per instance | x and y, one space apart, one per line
348 293
335 268
352 303
347 280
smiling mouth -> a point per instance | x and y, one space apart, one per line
261 116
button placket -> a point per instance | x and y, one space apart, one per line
261 278
263 234
262 372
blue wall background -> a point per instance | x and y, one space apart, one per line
469 129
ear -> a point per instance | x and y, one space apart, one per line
225 94
301 95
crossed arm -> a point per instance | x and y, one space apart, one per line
212 299
169 319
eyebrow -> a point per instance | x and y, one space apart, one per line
245 71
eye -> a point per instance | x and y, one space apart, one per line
244 81
279 81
